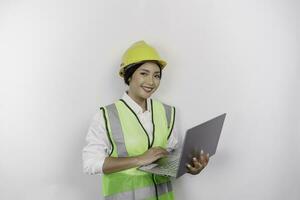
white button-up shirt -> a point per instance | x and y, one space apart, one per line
98 146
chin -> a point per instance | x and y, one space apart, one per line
145 95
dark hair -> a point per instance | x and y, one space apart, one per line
130 69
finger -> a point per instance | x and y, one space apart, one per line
202 159
160 149
161 155
207 157
156 150
192 169
201 154
164 152
197 164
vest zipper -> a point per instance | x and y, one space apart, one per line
153 125
155 186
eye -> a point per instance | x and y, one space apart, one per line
157 76
143 73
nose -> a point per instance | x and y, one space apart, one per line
150 80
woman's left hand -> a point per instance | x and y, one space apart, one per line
198 164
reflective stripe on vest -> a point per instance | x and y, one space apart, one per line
170 113
116 130
122 126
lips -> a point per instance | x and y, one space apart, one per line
147 89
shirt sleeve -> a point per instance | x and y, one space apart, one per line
174 140
97 146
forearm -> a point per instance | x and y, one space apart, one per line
112 164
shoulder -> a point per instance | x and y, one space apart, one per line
100 116
101 108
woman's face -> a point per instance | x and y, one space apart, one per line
144 81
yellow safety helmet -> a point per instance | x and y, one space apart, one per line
140 51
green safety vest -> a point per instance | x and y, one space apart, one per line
128 137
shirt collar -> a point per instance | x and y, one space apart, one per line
134 106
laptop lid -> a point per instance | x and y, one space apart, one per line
201 137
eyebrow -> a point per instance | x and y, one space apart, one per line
149 71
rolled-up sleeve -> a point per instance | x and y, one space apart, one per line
97 146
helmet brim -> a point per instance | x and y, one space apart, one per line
161 63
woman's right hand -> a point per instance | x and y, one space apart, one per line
152 155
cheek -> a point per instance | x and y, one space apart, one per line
157 82
137 77
135 81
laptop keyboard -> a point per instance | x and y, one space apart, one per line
169 169
165 167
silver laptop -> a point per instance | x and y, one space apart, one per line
201 137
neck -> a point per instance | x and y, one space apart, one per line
140 101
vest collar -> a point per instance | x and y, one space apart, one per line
134 106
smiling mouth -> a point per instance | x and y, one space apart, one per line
147 89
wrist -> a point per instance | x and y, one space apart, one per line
139 160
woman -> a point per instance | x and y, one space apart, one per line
135 131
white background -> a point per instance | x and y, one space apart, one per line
59 62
